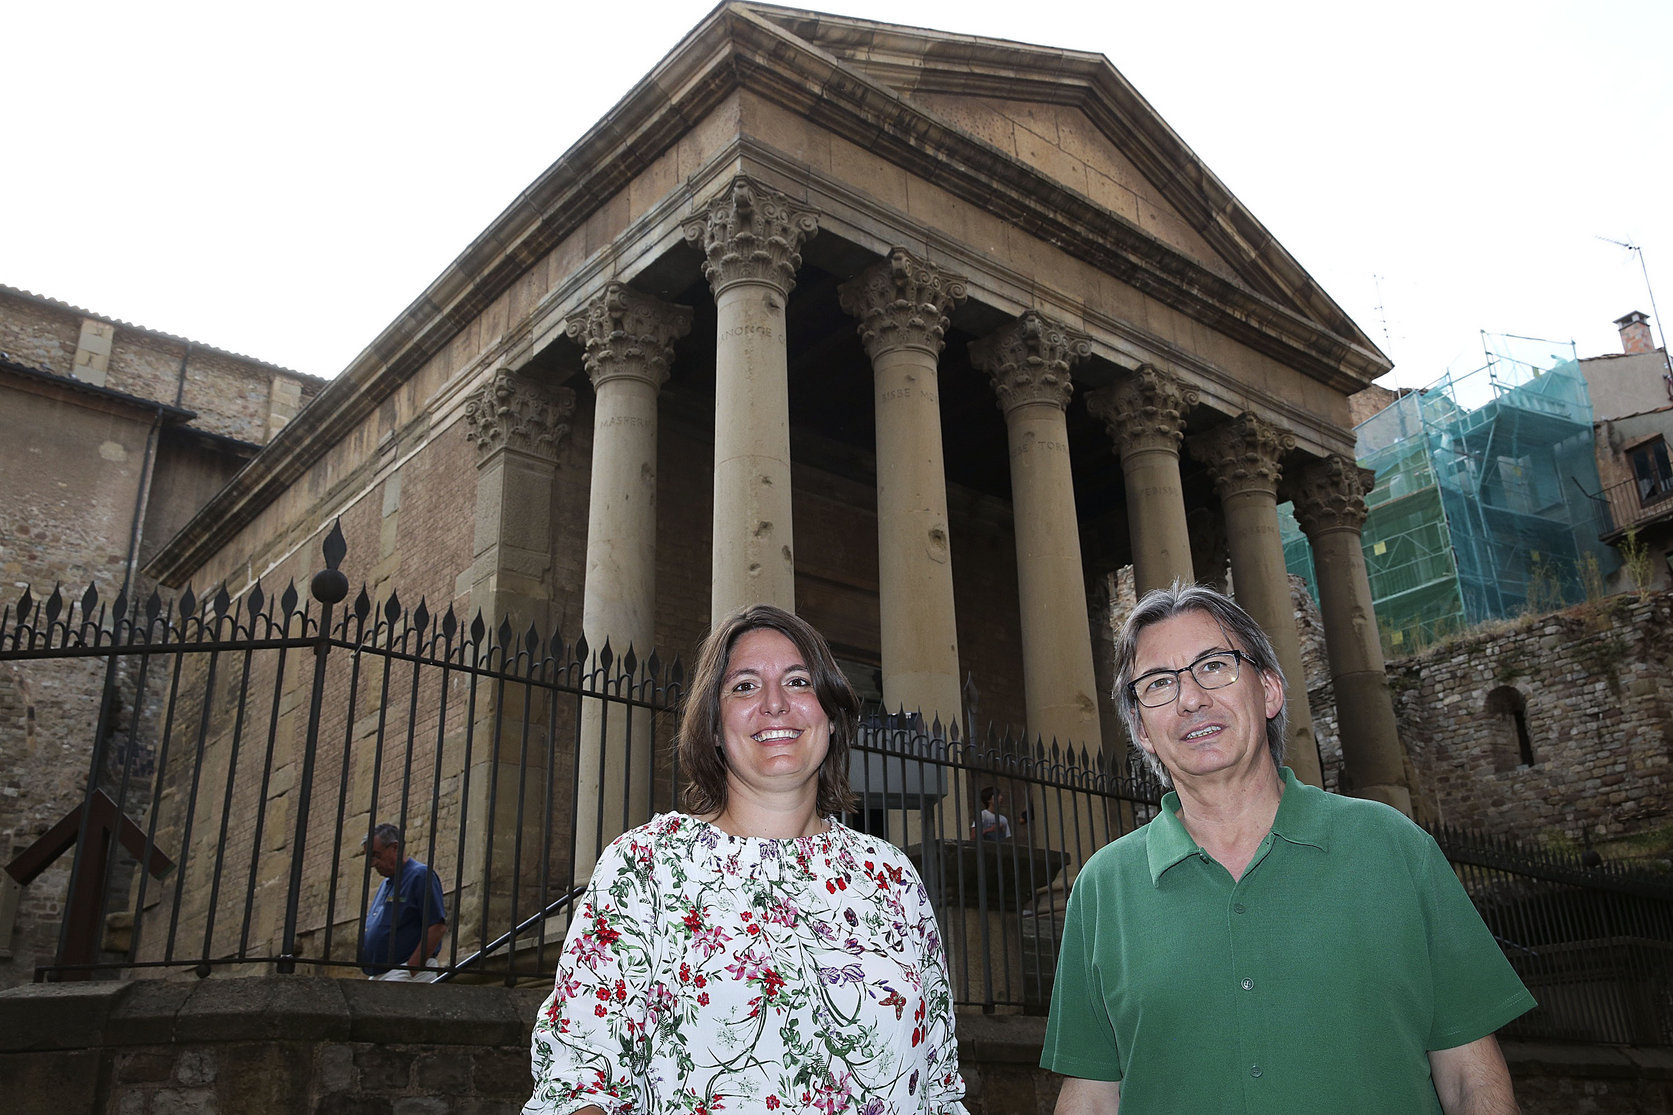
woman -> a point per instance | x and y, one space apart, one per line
752 954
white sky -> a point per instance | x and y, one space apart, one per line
283 180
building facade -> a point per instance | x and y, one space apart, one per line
919 334
111 437
1632 396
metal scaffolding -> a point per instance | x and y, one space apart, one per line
1480 508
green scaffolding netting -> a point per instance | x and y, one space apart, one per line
1485 502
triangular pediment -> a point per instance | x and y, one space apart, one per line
1072 116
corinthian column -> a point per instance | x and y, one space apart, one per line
1243 458
751 242
1145 415
517 426
1028 362
901 304
627 340
1329 500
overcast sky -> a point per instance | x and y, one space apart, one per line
283 180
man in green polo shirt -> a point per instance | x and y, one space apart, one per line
1262 946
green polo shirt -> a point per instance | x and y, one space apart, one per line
1316 983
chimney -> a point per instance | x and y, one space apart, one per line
1635 333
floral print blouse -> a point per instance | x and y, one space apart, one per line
707 973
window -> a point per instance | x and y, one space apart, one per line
1651 469
1512 746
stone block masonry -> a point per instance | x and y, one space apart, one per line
1556 727
356 1047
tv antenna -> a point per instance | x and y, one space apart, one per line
1382 315
1639 251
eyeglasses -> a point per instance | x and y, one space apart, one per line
1214 670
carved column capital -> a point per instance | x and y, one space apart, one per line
1029 360
751 233
1243 454
511 411
1144 410
901 302
624 333
1330 495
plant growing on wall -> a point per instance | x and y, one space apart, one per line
1636 555
1545 592
1591 578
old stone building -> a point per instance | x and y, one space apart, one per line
111 437
918 333
1632 403
1557 728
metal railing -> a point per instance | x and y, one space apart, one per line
1632 502
242 750
1592 941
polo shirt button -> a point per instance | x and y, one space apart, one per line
1237 907
1254 1070
1248 985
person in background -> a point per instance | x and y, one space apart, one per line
992 824
751 954
408 917
1262 945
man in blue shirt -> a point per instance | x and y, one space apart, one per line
408 916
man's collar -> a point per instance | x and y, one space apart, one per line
1166 840
1301 815
1300 820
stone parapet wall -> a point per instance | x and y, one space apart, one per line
1591 684
293 1043
266 1044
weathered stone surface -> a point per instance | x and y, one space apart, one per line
445 1073
1599 738
390 1013
383 1069
239 1009
58 1016
54 1083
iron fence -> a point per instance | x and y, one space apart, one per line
1592 941
242 750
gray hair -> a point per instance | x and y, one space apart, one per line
386 834
1246 635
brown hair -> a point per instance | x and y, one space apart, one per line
698 749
